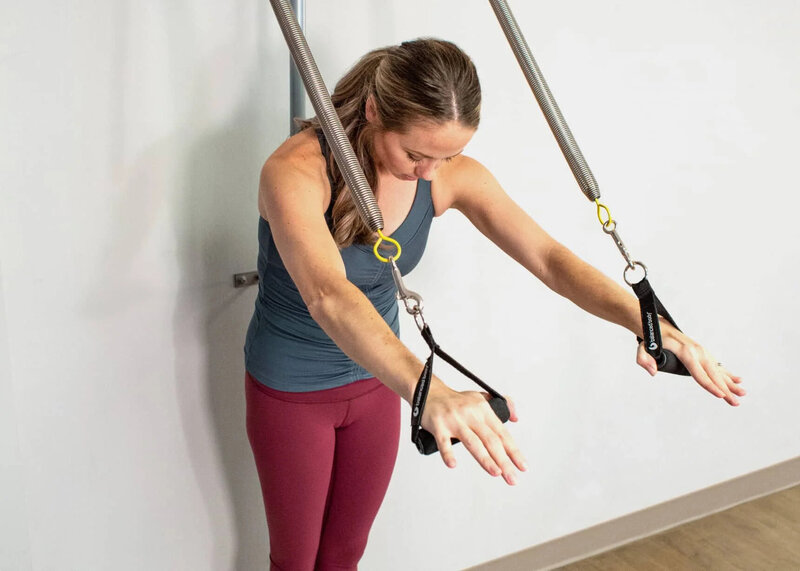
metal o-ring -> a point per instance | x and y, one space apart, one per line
609 226
633 266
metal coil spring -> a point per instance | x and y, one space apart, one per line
580 169
331 125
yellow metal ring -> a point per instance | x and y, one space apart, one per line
600 208
392 241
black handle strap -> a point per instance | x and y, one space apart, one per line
651 307
422 439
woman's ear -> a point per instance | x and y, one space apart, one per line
370 110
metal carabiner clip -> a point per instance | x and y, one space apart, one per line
412 300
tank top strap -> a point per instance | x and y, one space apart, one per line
326 153
423 204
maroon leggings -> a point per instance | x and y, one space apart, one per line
324 459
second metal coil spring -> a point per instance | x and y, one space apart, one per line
580 169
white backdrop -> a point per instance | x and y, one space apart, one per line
132 137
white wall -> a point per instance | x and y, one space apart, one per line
132 136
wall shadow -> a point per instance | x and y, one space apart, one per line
215 222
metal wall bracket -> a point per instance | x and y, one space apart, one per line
245 280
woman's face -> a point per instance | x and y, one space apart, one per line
420 150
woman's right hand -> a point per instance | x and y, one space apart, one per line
468 417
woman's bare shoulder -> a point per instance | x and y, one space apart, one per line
461 175
296 164
300 152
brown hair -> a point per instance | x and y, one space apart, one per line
420 80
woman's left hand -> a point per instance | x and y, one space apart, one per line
705 369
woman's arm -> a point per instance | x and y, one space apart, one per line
477 194
292 195
471 189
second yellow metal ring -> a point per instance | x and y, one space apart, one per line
600 208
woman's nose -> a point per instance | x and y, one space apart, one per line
426 168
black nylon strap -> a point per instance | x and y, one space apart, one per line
422 439
420 398
461 369
434 347
650 308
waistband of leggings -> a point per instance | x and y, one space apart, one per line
346 392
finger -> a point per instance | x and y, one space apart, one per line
731 388
720 379
475 446
510 447
698 372
495 446
732 381
715 372
512 412
733 385
646 361
512 450
512 409
445 448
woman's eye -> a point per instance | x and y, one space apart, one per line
414 159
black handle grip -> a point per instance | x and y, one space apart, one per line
669 363
426 443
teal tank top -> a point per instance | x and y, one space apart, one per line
285 349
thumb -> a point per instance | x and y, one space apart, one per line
646 361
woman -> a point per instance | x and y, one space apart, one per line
325 368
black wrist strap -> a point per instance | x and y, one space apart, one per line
424 440
650 308
420 398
